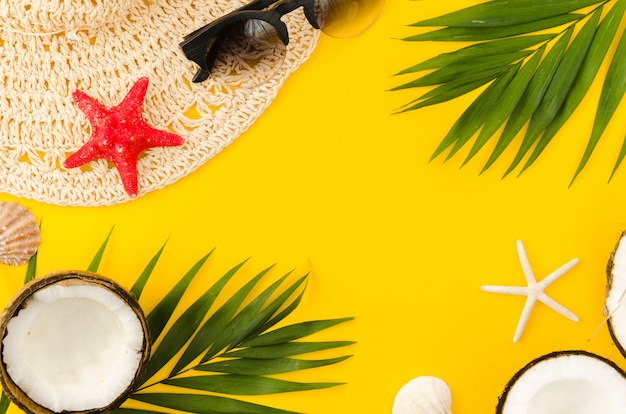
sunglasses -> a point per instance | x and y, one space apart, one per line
245 46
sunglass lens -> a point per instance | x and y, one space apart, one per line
346 18
250 52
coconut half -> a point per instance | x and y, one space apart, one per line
614 308
567 382
72 342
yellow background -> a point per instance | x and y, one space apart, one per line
329 181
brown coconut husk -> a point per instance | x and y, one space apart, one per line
67 278
609 286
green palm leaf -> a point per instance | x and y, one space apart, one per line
160 315
485 106
235 384
137 288
293 332
4 403
506 103
250 318
135 411
602 40
560 85
535 60
479 65
475 51
31 267
279 316
185 326
472 119
206 404
239 350
215 325
232 330
213 347
499 13
270 366
453 89
620 157
223 340
475 34
285 350
531 99
97 258
612 93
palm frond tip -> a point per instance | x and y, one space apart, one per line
214 352
543 57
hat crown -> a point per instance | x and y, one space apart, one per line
55 16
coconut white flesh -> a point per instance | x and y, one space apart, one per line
73 347
568 384
616 296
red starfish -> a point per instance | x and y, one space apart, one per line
119 134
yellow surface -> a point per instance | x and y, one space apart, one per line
328 180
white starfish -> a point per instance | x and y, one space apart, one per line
534 291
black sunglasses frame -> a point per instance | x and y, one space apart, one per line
202 45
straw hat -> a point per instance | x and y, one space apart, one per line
51 48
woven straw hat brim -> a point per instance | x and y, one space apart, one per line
42 64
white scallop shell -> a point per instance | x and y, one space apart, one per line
19 234
423 395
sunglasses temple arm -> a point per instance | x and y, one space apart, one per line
209 57
309 13
258 5
200 76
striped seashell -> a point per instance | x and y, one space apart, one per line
19 234
423 395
